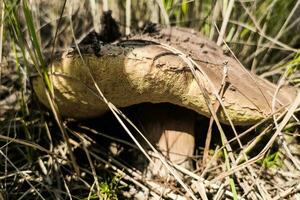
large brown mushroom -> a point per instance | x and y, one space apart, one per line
155 68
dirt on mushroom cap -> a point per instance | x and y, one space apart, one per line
136 71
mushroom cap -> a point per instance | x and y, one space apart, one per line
142 70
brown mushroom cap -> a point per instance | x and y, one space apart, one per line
136 71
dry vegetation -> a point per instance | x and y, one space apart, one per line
43 156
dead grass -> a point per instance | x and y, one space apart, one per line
39 162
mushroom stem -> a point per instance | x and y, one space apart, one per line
171 129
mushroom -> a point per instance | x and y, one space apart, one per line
149 68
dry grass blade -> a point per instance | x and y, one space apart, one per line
23 175
62 129
57 28
37 146
164 12
285 147
281 31
85 144
201 190
105 5
211 120
128 17
1 33
225 22
27 143
295 189
260 31
283 123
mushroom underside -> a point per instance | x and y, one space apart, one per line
136 71
171 130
